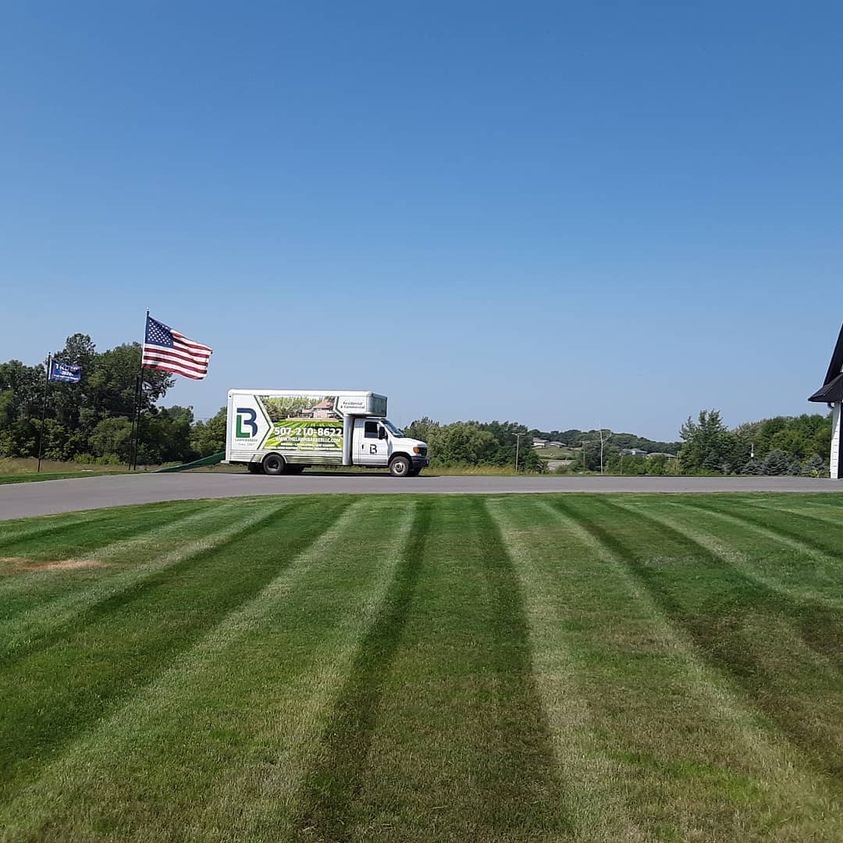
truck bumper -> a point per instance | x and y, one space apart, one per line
419 462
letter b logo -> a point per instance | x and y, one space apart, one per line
246 418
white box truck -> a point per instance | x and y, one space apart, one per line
282 431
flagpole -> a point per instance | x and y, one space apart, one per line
133 441
44 411
136 418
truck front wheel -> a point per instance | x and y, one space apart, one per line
399 467
273 464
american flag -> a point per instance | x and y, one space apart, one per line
173 352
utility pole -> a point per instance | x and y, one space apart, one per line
517 450
602 442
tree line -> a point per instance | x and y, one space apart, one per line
796 445
474 443
91 422
780 445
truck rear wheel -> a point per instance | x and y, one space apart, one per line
399 467
273 464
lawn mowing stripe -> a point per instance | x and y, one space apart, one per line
717 627
271 785
596 805
835 521
777 598
39 585
815 630
56 540
820 502
334 783
825 567
251 797
783 772
458 750
710 541
26 528
40 626
523 733
807 545
123 642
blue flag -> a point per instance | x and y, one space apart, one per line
64 372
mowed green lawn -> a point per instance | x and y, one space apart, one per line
536 668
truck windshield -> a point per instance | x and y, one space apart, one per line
395 431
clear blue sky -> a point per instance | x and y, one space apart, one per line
562 213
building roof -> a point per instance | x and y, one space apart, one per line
831 392
832 388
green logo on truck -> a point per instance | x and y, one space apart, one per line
246 418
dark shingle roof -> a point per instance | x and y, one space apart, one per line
830 392
832 388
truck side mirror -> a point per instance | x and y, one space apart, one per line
381 433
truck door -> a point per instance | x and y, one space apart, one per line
369 447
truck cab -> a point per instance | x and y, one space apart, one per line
376 441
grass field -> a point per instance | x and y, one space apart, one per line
23 470
522 668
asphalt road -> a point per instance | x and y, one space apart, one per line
53 496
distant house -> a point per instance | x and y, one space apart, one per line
539 443
553 444
323 410
633 452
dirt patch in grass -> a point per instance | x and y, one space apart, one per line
19 563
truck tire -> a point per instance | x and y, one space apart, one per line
399 466
274 464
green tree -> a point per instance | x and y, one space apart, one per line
21 391
424 429
814 467
208 437
112 438
657 464
74 412
477 443
111 383
705 443
464 443
775 462
165 436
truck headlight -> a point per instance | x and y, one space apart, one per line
416 449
